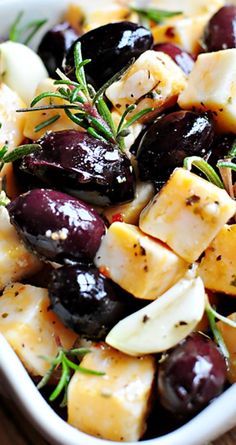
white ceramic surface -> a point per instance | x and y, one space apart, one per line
215 420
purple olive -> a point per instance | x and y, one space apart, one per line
56 226
169 140
191 376
54 45
87 301
86 167
220 32
110 48
183 59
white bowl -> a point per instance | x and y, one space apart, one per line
212 422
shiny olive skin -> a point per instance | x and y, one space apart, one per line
86 167
182 58
220 32
110 48
56 226
191 376
54 46
88 302
169 140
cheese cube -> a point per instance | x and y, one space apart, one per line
34 118
21 69
212 87
187 214
93 14
30 327
16 262
114 406
188 7
184 32
228 334
154 80
12 122
130 211
141 265
220 261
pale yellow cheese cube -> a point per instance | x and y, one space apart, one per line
114 406
130 211
30 327
154 80
185 32
187 214
11 132
212 87
141 265
34 118
92 14
16 262
218 266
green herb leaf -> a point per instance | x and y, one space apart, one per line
137 116
46 123
217 334
3 151
49 107
205 168
220 317
67 368
46 94
232 152
27 32
226 164
20 151
79 67
156 15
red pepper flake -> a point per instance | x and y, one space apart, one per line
117 217
170 32
104 271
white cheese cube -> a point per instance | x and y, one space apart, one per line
16 262
11 132
187 214
212 87
139 264
21 69
34 118
154 80
30 327
220 261
185 32
114 406
130 212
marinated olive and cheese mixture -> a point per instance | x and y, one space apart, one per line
117 216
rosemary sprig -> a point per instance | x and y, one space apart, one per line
226 164
90 110
216 333
46 123
205 168
63 362
25 33
155 15
19 152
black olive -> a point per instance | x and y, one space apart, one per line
191 376
220 31
54 45
181 57
86 167
110 48
56 226
87 301
169 140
